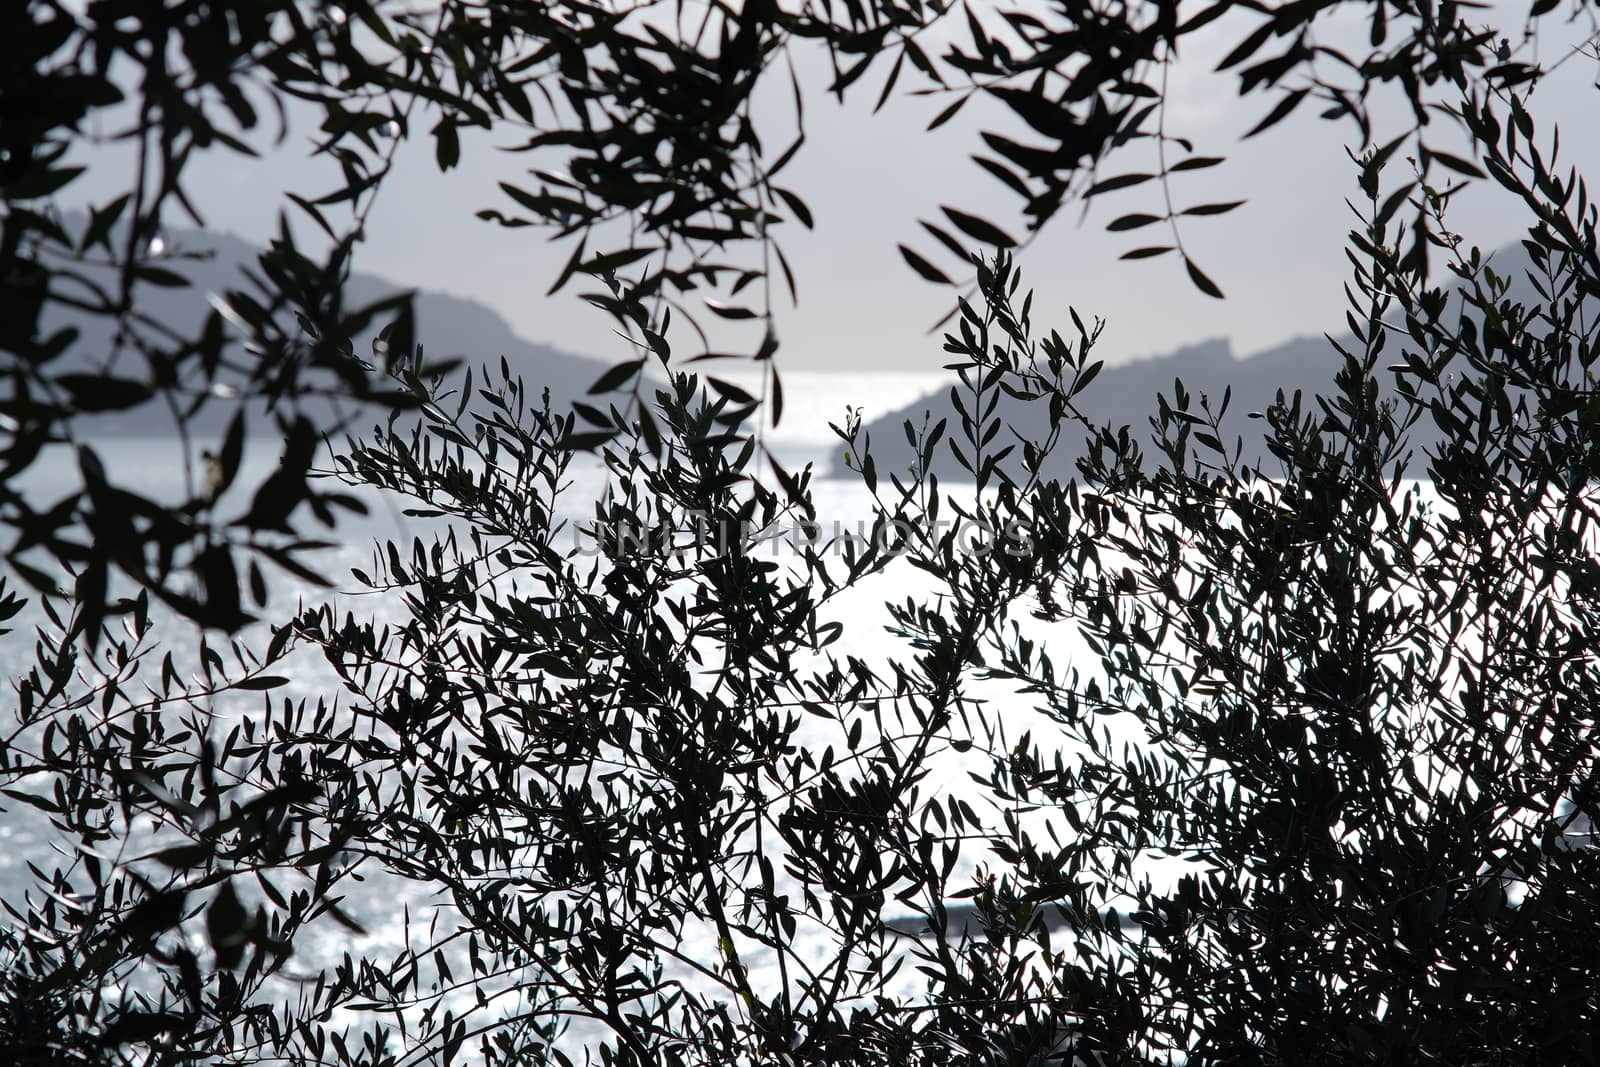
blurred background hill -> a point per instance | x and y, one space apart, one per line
449 327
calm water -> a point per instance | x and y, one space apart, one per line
156 467
381 904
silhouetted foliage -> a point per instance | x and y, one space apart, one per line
1323 788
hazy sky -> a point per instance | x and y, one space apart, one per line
869 178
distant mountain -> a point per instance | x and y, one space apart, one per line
447 326
1125 395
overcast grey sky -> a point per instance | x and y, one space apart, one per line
869 178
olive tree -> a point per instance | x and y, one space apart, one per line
1325 794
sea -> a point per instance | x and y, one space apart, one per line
385 908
